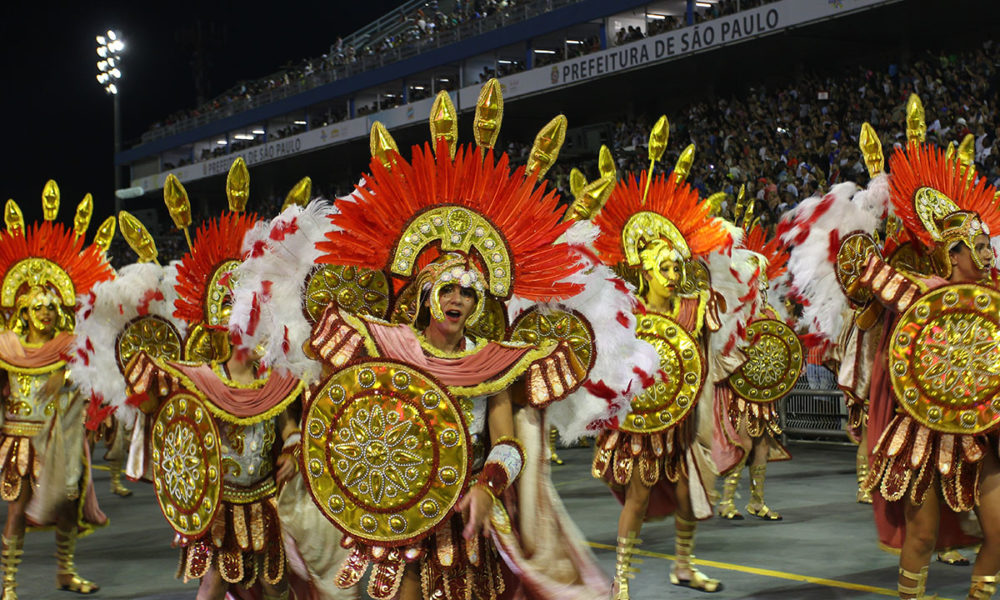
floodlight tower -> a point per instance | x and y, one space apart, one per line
110 48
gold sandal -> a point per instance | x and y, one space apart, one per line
683 547
65 551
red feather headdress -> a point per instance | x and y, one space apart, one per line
399 215
82 265
676 202
203 272
924 166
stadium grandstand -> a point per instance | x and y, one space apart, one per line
773 93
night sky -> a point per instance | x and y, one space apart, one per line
58 119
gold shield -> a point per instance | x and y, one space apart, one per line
774 362
535 326
186 464
852 257
358 291
944 359
666 403
151 334
385 452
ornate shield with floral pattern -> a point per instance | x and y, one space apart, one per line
151 334
666 403
774 362
854 252
186 464
385 452
944 359
535 326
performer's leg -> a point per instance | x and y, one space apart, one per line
212 586
861 465
727 506
921 536
13 541
758 472
629 525
115 467
275 592
984 572
553 438
66 532
683 573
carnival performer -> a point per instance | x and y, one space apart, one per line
238 418
747 429
460 234
43 454
931 422
657 461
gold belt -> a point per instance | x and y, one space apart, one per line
245 495
23 428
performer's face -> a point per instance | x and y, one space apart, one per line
664 283
42 315
972 264
457 304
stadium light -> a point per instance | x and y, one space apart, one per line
544 51
109 73
655 16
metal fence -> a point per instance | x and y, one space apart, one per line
808 414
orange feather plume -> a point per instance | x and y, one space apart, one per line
371 222
85 266
217 240
679 203
774 251
926 166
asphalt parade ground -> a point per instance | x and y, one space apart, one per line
824 548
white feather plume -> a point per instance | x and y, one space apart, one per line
103 315
272 281
734 276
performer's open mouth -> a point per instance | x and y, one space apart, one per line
453 314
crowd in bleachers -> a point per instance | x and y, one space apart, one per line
417 30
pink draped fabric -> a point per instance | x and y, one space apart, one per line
13 352
238 402
401 343
728 446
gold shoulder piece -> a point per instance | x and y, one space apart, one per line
684 162
50 200
105 233
13 217
606 163
658 138
137 236
238 185
444 122
489 114
546 148
382 144
300 193
916 126
871 149
84 211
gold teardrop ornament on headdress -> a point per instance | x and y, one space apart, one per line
50 200
13 218
238 185
657 146
576 181
84 211
741 203
606 163
966 155
382 144
715 202
300 194
592 198
871 149
178 205
105 233
545 150
444 123
489 115
684 162
916 126
137 236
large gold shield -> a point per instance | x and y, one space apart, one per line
944 359
385 452
774 362
151 334
666 403
186 464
